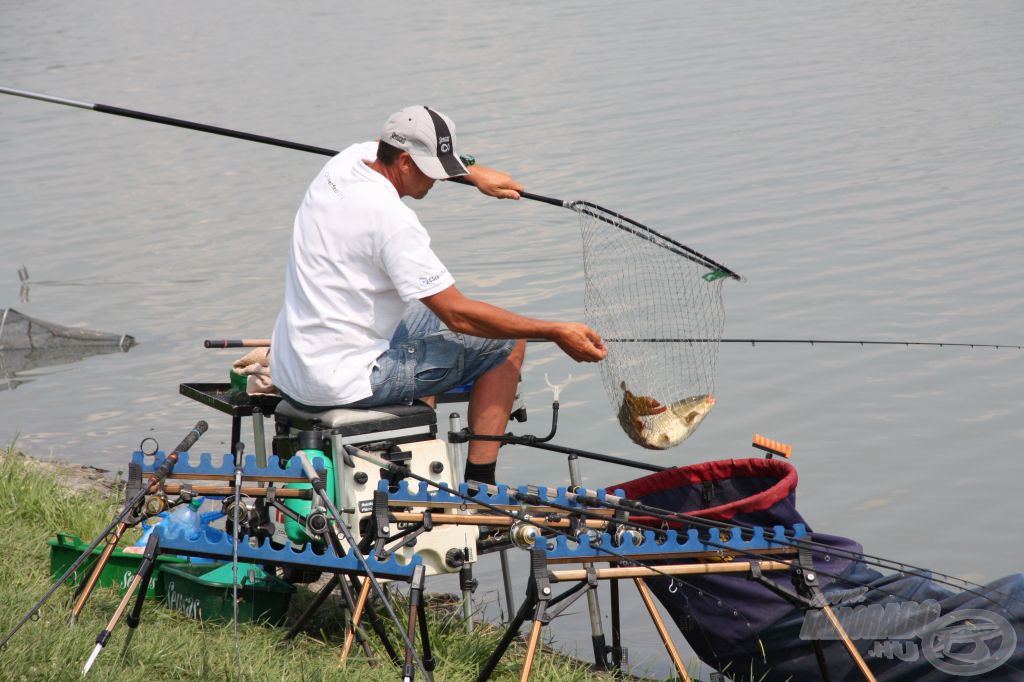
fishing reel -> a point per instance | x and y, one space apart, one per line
252 519
154 505
524 535
317 522
627 537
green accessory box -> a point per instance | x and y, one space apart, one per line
203 592
119 571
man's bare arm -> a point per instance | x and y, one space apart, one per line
494 183
467 316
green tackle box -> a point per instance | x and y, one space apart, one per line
119 571
203 592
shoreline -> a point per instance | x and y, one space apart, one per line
77 478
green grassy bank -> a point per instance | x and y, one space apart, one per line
36 503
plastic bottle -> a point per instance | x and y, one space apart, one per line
147 530
185 519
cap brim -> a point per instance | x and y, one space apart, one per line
440 168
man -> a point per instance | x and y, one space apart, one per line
352 331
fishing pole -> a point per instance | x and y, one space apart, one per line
407 473
627 225
812 342
590 497
158 475
265 343
622 504
528 499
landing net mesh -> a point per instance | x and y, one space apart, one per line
21 332
658 306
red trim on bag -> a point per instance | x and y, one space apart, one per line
716 471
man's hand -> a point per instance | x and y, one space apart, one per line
579 342
494 183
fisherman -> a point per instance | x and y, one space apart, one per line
372 317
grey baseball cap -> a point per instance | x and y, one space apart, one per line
429 137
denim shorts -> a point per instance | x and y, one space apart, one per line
425 359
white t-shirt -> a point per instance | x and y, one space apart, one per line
358 257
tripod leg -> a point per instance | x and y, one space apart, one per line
531 649
378 628
146 571
101 639
314 605
90 584
616 626
428 658
858 660
510 633
415 599
357 615
350 602
663 632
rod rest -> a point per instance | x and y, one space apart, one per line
693 541
420 492
195 465
214 544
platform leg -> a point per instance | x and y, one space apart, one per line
616 625
663 631
428 657
314 605
593 604
415 604
357 615
510 634
506 579
858 660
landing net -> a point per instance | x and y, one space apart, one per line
658 306
21 332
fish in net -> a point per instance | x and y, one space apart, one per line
19 332
658 306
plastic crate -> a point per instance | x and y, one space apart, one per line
119 571
203 592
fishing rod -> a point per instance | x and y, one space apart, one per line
130 505
536 499
590 497
405 472
621 504
668 515
620 221
265 343
813 342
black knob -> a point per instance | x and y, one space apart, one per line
436 468
361 477
455 558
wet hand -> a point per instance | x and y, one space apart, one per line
580 342
494 183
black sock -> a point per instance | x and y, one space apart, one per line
483 473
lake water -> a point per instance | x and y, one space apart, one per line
860 164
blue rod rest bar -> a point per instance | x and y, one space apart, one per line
203 465
215 544
713 541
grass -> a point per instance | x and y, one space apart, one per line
34 505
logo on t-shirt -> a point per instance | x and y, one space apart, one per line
427 281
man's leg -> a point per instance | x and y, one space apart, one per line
489 406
